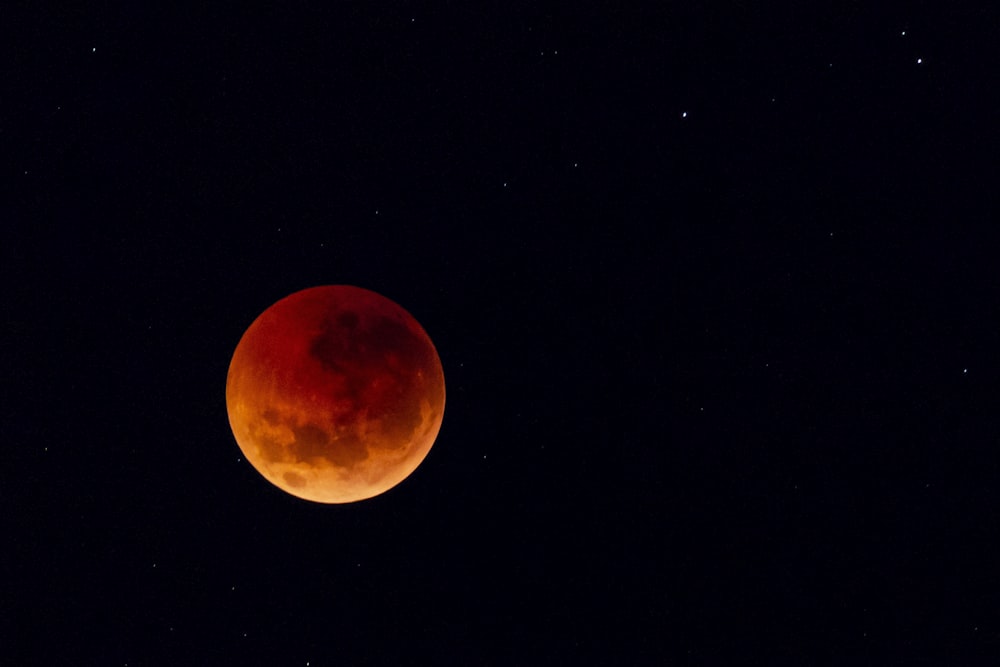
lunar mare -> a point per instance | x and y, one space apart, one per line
335 394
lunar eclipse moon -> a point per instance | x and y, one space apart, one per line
335 394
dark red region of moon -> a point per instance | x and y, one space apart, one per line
335 394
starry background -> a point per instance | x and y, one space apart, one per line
714 289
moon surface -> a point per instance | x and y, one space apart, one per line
335 394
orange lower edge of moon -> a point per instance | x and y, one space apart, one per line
335 394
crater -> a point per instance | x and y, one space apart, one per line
294 479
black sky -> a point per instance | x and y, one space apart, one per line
714 289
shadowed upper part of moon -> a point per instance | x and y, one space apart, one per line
383 366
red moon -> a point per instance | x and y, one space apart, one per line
335 394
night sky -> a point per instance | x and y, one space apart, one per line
715 288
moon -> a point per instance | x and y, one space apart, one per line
335 394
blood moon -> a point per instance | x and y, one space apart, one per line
335 394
